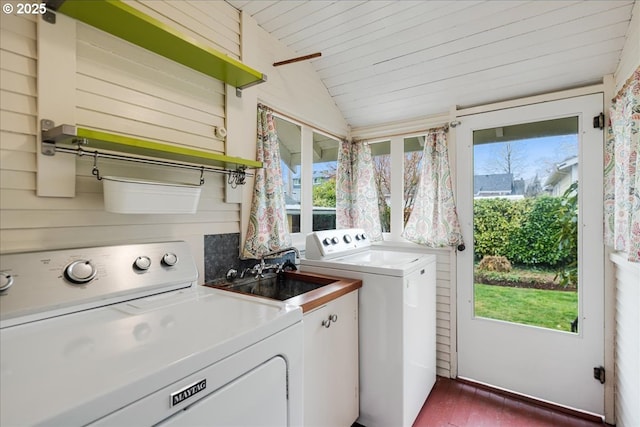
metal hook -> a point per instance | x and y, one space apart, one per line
202 175
237 177
231 179
241 176
95 171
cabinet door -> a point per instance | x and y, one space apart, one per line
331 363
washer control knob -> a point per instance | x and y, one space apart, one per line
326 241
363 236
169 259
142 263
347 238
335 241
80 272
6 280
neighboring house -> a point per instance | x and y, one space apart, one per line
565 174
497 185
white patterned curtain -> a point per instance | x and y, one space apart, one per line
356 192
622 171
268 229
434 221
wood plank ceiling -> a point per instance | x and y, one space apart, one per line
387 61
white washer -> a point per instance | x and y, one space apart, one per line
397 306
122 335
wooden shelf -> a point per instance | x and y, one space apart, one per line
128 23
97 140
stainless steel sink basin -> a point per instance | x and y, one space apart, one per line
281 286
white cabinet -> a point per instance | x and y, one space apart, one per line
331 363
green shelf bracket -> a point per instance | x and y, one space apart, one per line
130 24
88 139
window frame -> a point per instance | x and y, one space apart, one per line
306 175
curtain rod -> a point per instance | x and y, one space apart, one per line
300 122
444 126
635 75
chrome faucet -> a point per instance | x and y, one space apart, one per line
282 251
258 269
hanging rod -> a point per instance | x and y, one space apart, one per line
298 59
235 176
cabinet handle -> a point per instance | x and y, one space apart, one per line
331 318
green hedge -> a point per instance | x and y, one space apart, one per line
526 231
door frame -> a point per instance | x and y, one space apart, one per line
609 298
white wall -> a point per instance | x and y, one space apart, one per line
630 57
627 342
121 89
124 89
627 280
295 90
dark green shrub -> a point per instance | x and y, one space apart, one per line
495 220
526 231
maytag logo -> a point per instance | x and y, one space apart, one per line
187 392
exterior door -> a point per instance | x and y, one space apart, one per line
531 281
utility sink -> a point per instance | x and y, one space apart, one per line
280 286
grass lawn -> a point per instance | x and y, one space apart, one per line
537 307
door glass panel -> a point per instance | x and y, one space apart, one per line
381 153
325 164
290 143
525 223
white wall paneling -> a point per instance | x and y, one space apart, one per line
627 341
118 88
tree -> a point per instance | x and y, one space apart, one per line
534 188
382 176
382 168
412 166
324 195
508 158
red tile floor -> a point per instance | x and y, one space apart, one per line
454 403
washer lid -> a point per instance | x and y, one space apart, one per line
73 369
386 262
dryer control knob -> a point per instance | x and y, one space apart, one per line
80 272
347 238
142 263
6 281
169 259
335 241
326 241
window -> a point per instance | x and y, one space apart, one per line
413 150
325 165
289 141
309 168
381 153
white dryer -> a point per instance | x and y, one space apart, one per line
121 335
397 307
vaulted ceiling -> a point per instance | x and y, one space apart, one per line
386 61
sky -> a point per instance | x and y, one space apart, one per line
531 156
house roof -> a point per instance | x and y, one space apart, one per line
493 184
561 170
